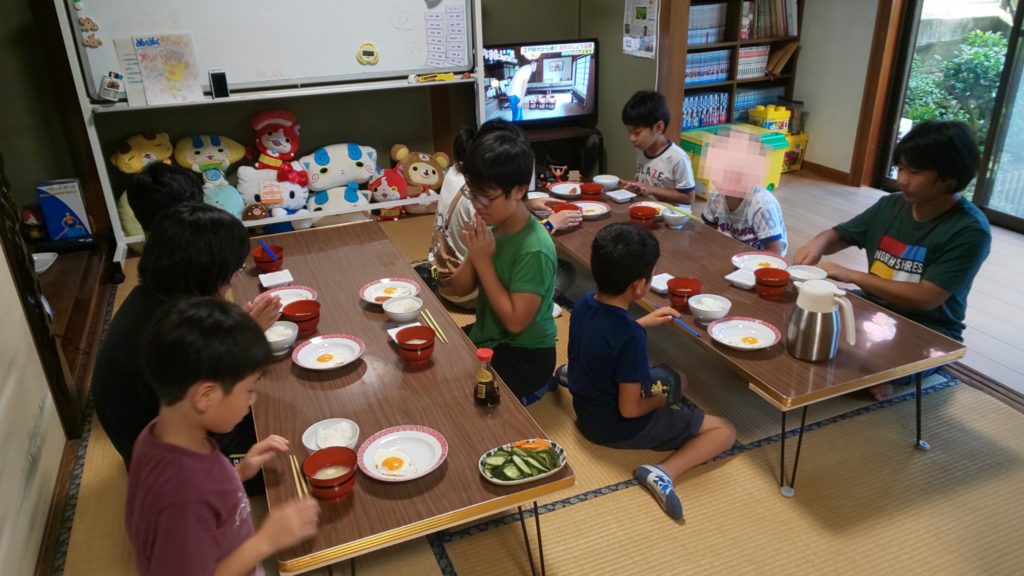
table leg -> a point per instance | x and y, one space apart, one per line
786 489
526 540
920 444
540 542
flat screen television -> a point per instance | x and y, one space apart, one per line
542 82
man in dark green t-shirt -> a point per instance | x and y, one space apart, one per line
925 245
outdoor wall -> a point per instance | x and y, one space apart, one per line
32 144
835 41
32 436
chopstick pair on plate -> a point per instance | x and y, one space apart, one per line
300 479
429 319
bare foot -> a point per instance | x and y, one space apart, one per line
882 392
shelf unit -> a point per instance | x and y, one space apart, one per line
673 49
91 110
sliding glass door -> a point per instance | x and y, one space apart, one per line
1001 187
952 65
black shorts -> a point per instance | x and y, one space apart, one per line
668 429
525 370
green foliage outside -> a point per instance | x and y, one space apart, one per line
961 88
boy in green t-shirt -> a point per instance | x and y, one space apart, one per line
924 246
511 258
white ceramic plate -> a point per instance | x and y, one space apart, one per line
537 195
654 205
592 210
554 446
328 352
425 447
309 436
289 294
804 272
565 189
741 333
754 260
382 289
393 332
43 260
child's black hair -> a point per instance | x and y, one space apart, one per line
621 254
499 157
201 340
193 250
945 146
644 109
159 187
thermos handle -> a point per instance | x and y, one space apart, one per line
847 318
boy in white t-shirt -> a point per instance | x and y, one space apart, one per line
663 170
737 206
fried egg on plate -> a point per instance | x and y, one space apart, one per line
393 462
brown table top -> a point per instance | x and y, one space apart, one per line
378 391
888 345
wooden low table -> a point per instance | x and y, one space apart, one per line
378 391
888 345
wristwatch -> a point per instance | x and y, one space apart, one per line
549 226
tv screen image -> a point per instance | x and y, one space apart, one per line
552 82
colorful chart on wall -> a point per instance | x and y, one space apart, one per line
640 28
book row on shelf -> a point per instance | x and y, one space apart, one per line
707 24
753 62
706 109
707 67
769 18
751 97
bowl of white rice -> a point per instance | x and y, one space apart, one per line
331 432
709 307
403 308
281 335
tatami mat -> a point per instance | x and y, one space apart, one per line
866 503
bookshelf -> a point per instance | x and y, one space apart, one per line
716 26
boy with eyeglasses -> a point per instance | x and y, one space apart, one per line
511 259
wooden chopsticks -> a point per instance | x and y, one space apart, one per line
429 318
300 480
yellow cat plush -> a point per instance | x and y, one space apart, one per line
201 152
141 150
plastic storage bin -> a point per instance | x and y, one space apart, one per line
770 117
793 157
775 143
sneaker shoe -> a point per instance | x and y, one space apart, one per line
659 484
559 378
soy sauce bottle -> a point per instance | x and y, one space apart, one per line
486 391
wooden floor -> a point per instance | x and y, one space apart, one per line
995 309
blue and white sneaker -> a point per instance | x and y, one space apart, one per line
659 483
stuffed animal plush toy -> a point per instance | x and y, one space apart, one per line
255 212
132 156
217 192
335 173
201 152
390 185
278 197
423 172
277 138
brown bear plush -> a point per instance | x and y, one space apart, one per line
423 172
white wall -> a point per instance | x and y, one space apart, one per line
31 433
834 46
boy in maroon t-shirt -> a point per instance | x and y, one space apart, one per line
187 512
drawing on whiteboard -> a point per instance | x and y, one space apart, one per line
168 65
400 18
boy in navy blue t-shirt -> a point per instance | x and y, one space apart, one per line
614 391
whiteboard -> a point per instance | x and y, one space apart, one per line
267 43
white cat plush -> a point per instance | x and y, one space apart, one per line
281 198
335 173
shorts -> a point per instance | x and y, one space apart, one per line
668 429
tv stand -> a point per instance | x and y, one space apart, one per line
593 142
